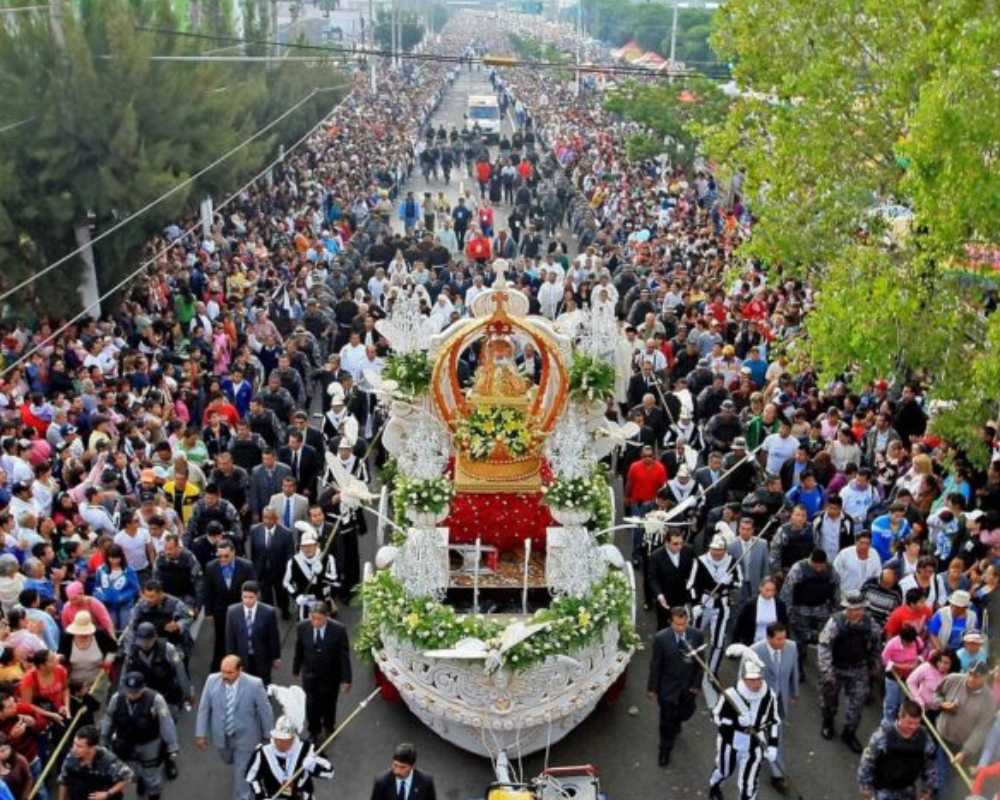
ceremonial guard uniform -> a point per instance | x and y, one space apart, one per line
352 523
338 420
893 765
274 763
746 716
138 728
713 576
310 575
81 778
849 654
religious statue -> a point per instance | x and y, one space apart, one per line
497 381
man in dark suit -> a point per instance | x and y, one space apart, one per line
323 657
311 436
252 633
669 570
271 548
709 476
653 416
674 678
224 579
265 481
404 781
642 383
303 461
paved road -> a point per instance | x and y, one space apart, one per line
620 743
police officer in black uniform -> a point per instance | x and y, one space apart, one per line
899 763
139 729
179 571
161 667
170 616
91 772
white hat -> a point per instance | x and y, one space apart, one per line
309 535
959 598
308 538
718 542
751 669
284 729
683 471
975 514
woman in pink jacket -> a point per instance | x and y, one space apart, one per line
924 680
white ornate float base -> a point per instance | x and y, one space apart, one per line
520 711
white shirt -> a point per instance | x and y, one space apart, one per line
767 612
406 783
352 358
853 571
779 449
135 548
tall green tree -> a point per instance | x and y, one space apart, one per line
111 130
850 106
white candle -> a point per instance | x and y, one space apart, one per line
527 562
475 578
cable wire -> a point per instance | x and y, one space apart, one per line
152 259
169 193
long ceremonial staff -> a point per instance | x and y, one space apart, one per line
933 730
693 652
333 533
326 743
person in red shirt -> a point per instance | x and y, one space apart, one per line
483 173
644 479
524 169
486 218
479 248
914 612
20 724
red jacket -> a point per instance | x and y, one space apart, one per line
483 171
524 169
486 217
479 248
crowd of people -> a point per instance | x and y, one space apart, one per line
168 461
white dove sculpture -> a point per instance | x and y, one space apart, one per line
492 653
384 388
610 435
353 492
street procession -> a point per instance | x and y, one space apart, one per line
499 401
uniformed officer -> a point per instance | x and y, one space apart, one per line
161 666
91 772
899 762
138 728
849 654
170 616
747 718
273 764
811 592
310 575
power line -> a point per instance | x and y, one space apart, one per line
441 58
169 193
153 258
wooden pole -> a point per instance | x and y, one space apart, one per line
527 563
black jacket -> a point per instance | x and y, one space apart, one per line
746 620
308 468
218 597
670 672
330 662
422 787
668 580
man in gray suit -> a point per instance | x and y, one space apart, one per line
265 481
289 505
753 557
234 715
780 657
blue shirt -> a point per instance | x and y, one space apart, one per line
813 499
883 537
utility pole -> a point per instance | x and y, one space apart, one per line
673 44
274 27
579 41
371 44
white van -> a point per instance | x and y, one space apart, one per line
484 111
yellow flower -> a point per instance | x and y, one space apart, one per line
583 618
412 620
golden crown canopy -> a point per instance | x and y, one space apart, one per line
500 397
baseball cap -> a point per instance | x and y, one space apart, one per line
145 631
135 681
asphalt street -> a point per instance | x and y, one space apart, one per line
620 738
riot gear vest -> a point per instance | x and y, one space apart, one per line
815 589
158 672
850 648
796 546
900 765
136 723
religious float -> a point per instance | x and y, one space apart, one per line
497 606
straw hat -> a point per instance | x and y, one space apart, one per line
82 625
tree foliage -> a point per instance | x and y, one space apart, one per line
111 130
411 32
674 114
850 106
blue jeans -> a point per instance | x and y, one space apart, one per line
893 700
120 615
36 770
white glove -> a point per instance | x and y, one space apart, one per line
696 612
771 754
744 720
304 599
